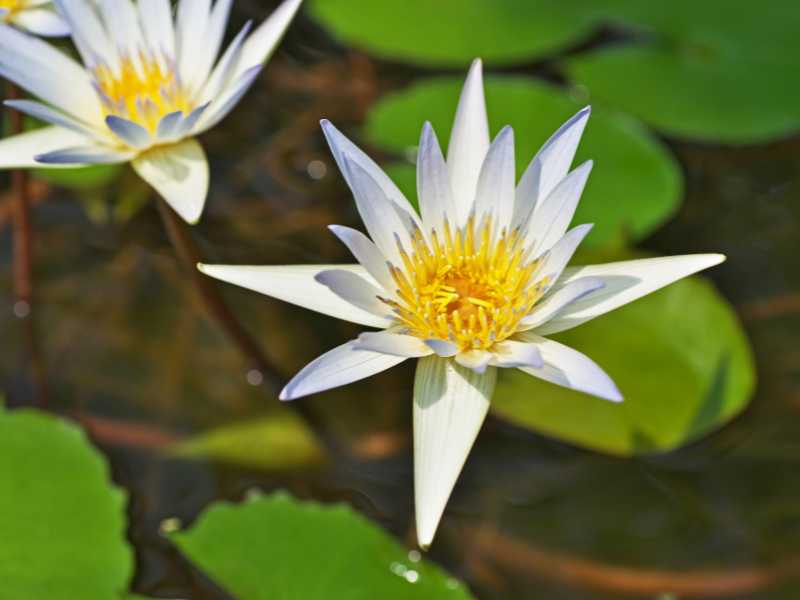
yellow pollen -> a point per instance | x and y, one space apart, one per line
11 6
469 286
142 91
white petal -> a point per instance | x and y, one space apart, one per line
190 27
223 73
397 344
559 300
212 41
260 45
559 255
450 405
222 106
495 192
383 223
188 122
469 143
92 154
88 32
367 254
298 285
433 181
179 173
51 115
569 368
355 290
157 25
122 20
624 282
550 165
20 151
511 353
42 21
338 367
554 214
442 348
48 73
342 147
477 360
129 133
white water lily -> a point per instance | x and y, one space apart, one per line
147 87
39 17
472 284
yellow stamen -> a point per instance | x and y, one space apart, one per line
469 285
141 90
11 6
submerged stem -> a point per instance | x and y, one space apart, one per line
188 253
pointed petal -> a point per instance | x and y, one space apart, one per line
554 214
262 43
511 353
42 21
450 405
549 166
355 290
569 368
396 344
92 154
157 25
51 115
340 366
469 143
559 255
212 38
48 73
559 300
222 106
298 285
225 69
367 254
179 173
495 193
383 223
122 19
129 133
342 147
20 151
433 181
88 32
624 282
191 23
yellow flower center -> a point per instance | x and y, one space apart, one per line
470 287
11 6
142 91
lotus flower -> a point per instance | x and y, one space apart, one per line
147 87
472 284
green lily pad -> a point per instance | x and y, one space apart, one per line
62 523
453 32
275 547
635 186
278 441
695 92
680 358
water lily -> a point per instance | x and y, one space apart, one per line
39 17
147 86
472 284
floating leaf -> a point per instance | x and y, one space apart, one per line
453 32
62 523
279 441
635 186
276 547
680 358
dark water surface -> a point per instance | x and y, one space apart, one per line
128 347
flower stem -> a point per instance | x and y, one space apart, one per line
188 253
22 257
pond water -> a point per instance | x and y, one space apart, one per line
126 346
